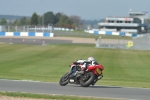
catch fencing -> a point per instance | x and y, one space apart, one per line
35 29
111 43
140 42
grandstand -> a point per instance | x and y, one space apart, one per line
134 23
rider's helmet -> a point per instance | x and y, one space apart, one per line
91 59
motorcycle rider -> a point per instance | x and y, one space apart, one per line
84 63
90 61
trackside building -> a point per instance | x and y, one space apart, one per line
134 23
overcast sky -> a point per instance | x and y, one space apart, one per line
86 9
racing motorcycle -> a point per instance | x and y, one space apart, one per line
90 76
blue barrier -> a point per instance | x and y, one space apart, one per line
111 33
31 34
2 33
96 32
122 33
134 35
16 34
108 33
46 34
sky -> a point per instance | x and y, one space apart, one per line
86 9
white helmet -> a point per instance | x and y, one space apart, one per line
91 59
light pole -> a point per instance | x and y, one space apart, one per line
42 18
43 22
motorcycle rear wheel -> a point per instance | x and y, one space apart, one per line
64 79
87 83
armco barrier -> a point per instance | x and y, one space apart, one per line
111 33
30 34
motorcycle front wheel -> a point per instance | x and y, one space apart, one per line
86 80
64 79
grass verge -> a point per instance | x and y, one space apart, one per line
26 96
48 63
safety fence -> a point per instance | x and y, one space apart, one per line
34 29
141 42
111 43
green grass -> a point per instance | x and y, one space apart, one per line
48 63
49 97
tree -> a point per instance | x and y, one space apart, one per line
16 22
64 21
147 20
23 21
9 22
40 20
3 21
76 21
57 17
49 18
28 21
34 19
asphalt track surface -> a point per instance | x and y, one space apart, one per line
46 40
75 90
33 41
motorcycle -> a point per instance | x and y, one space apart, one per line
91 75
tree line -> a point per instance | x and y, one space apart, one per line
47 19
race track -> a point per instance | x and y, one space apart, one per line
75 90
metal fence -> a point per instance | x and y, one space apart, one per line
111 43
35 28
141 42
29 28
